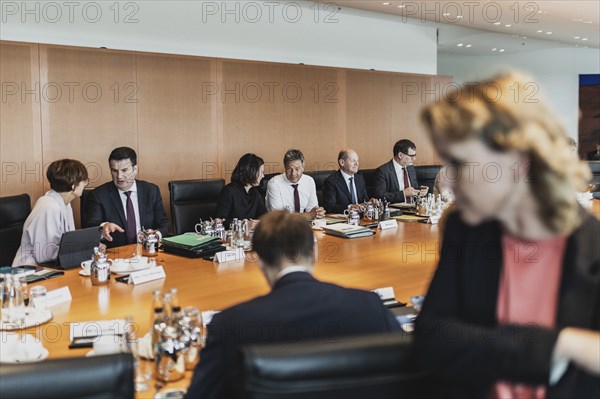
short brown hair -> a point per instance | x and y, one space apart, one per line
66 173
283 236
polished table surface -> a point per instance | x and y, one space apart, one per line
403 258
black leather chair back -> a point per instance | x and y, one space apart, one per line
83 207
192 200
13 213
99 377
369 175
319 177
426 175
375 366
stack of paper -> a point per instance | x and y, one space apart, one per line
346 230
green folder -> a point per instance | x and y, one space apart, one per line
189 240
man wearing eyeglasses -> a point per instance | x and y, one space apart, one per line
397 179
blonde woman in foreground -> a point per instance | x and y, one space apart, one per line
513 310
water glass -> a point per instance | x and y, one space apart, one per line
143 374
13 306
417 302
37 297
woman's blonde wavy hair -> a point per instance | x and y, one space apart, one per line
507 114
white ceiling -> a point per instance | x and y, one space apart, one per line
508 25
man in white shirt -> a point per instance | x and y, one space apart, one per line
397 179
293 190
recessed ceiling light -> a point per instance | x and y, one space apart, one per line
524 37
584 39
508 25
401 6
459 45
459 17
494 49
501 50
468 46
386 4
576 37
548 33
446 14
587 22
540 31
497 23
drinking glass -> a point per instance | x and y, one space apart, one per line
37 297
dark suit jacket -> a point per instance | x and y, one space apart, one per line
386 182
457 333
104 205
336 196
299 308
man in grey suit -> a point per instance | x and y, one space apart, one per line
397 179
125 205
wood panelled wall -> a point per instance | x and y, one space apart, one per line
193 117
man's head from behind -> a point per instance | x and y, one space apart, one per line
283 239
123 167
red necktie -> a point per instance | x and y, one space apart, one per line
296 198
406 180
131 225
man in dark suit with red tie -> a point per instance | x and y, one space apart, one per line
397 179
298 308
125 205
346 186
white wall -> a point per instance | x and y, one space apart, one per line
556 70
277 31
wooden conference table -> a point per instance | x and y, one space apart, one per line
403 258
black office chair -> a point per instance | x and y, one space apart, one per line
83 207
13 213
319 177
426 175
192 200
96 377
376 366
370 176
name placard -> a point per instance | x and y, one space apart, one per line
387 224
433 219
232 255
144 276
385 293
58 296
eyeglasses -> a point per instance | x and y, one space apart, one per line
410 155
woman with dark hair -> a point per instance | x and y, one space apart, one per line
52 214
241 198
513 310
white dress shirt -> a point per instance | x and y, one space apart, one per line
400 174
136 208
280 193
